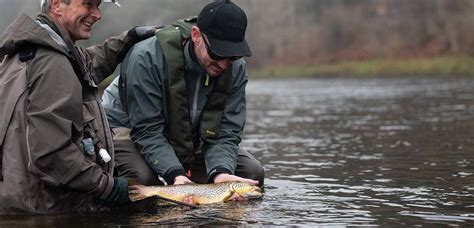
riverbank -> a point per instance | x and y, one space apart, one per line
438 66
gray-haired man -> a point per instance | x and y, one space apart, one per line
56 148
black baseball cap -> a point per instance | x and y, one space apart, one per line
224 24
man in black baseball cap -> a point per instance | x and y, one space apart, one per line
178 108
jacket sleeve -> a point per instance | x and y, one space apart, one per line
222 157
53 130
145 96
105 57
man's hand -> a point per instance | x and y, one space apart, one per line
139 33
182 180
223 177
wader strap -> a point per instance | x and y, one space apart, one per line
27 54
212 114
179 123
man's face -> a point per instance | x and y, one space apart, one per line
78 17
213 67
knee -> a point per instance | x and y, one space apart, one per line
142 175
147 177
254 171
259 174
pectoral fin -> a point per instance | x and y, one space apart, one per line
229 196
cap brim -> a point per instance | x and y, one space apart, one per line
228 49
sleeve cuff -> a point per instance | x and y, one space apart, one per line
109 183
216 171
170 175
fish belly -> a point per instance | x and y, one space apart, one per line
200 194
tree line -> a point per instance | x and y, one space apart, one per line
307 32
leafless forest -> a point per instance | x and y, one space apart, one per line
304 32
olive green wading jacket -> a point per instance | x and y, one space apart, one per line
152 101
45 103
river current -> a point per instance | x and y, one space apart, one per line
340 152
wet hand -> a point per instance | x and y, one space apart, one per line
182 180
223 177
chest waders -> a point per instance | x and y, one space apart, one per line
179 124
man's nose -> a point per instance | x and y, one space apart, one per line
225 63
96 13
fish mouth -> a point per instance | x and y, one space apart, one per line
248 191
255 193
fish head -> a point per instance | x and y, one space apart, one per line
247 190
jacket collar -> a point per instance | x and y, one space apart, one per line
190 58
56 32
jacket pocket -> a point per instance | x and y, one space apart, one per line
87 143
94 130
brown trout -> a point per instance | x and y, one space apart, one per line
201 193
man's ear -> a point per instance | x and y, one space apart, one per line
56 7
195 34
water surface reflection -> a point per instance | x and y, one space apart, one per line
341 152
378 151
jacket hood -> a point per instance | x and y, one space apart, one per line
25 31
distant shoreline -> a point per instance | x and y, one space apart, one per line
447 66
436 66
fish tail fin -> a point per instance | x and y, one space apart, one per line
136 192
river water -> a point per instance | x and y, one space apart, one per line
341 152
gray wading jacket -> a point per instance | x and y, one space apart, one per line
45 105
147 113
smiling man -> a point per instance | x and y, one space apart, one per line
56 150
178 108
